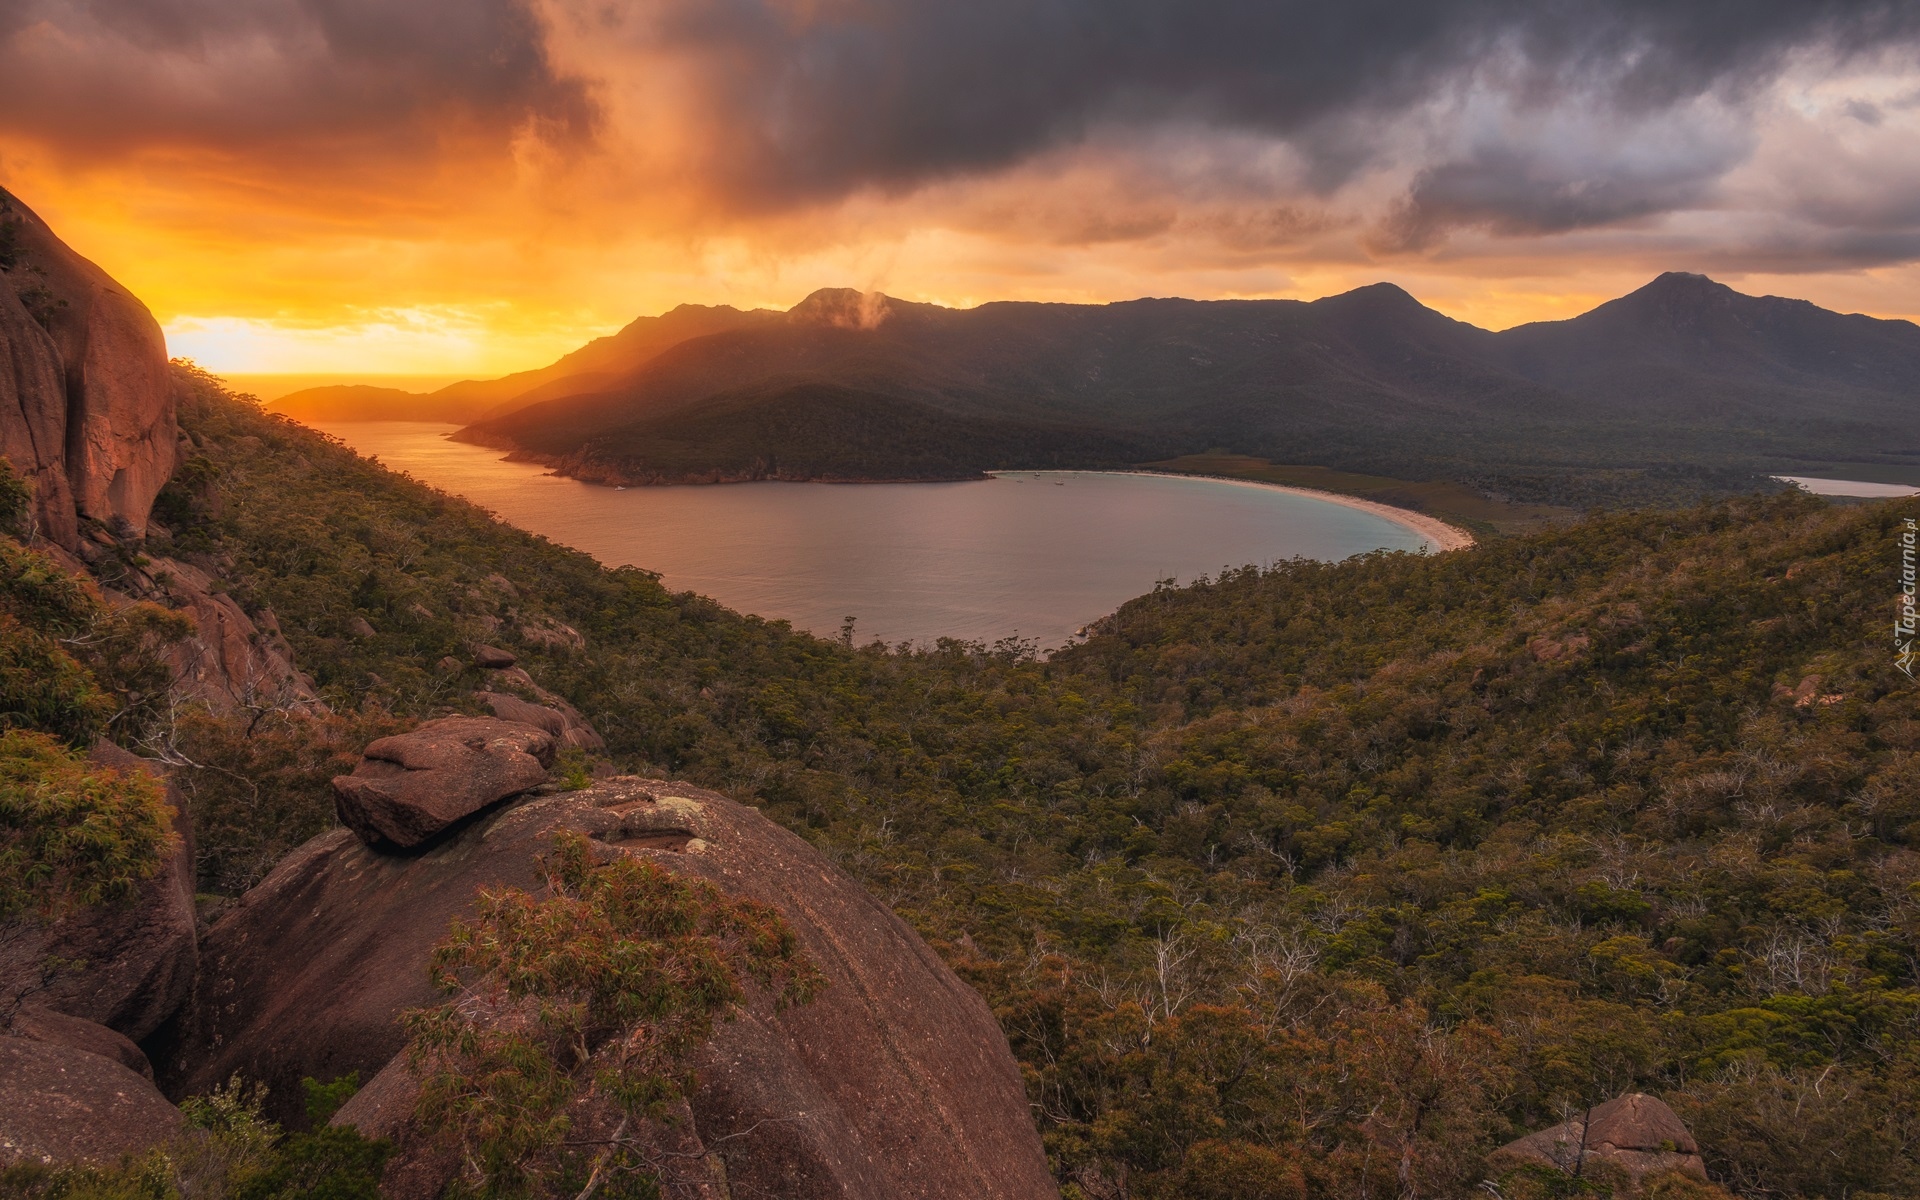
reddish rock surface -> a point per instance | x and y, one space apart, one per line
65 1105
1636 1134
107 392
894 1083
413 785
570 730
492 658
229 662
38 1024
137 959
33 415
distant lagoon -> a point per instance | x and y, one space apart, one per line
1030 554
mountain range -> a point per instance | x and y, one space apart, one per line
1683 380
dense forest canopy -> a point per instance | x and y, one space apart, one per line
1323 880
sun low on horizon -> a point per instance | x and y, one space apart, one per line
434 188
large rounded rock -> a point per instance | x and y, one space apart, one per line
1635 1136
413 785
894 1082
114 391
570 730
65 1105
493 658
37 1024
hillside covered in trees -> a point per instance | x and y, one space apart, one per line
1685 388
1317 881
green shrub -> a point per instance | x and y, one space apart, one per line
71 834
227 1151
602 990
16 499
72 665
259 785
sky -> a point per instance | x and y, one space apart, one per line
477 186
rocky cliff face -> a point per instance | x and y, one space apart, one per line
87 415
86 400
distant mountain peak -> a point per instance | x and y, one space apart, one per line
1385 291
1375 297
686 310
1684 283
844 308
1678 302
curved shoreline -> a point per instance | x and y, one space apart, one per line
1445 537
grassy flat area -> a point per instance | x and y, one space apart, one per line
1449 501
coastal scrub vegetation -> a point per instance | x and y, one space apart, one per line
586 1002
72 835
75 835
1321 880
72 670
825 432
227 1150
70 664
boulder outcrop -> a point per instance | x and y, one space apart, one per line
38 1024
66 1105
86 398
230 662
894 1082
413 785
1635 1135
492 658
570 730
126 966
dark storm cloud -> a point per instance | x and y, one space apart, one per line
799 101
101 75
1508 191
894 92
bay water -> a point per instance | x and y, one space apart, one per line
1034 555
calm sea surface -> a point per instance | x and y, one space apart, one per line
1037 555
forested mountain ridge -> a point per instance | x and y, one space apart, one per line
1684 378
1318 881
1684 340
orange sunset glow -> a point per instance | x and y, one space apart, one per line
440 188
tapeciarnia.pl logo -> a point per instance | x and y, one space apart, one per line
1903 625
